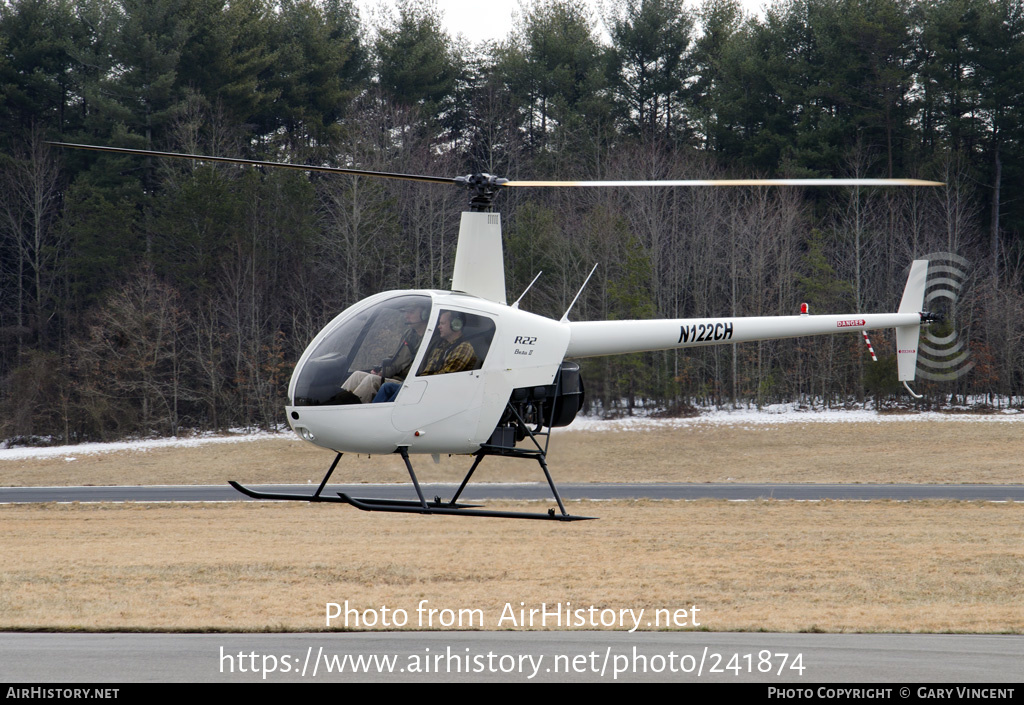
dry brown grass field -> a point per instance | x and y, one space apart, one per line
901 451
772 565
777 566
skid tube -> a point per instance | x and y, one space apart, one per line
422 506
341 499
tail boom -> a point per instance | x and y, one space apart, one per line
596 338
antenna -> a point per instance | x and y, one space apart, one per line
528 286
565 316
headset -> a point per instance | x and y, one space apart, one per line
423 308
458 320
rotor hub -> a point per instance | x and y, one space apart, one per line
482 189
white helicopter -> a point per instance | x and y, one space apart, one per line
464 372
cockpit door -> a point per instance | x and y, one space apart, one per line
433 396
425 401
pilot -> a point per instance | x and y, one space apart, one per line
361 386
449 354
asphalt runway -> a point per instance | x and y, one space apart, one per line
803 660
531 491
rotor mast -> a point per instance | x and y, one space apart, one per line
479 259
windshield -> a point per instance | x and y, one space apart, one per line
382 340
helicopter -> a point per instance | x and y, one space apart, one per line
464 372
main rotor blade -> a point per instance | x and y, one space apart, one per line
734 182
257 162
502 183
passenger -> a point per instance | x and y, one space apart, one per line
448 354
361 386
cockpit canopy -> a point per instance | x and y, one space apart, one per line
383 341
376 336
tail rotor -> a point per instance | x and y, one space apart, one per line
944 354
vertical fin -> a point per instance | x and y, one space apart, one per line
913 294
907 337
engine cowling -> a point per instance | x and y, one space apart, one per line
550 405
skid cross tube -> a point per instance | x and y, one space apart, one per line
451 508
540 455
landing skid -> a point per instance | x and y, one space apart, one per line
422 506
342 498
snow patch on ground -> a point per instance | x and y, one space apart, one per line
71 453
778 414
766 416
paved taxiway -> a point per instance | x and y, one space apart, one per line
563 656
531 491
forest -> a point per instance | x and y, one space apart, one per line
147 296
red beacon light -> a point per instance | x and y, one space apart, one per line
803 309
